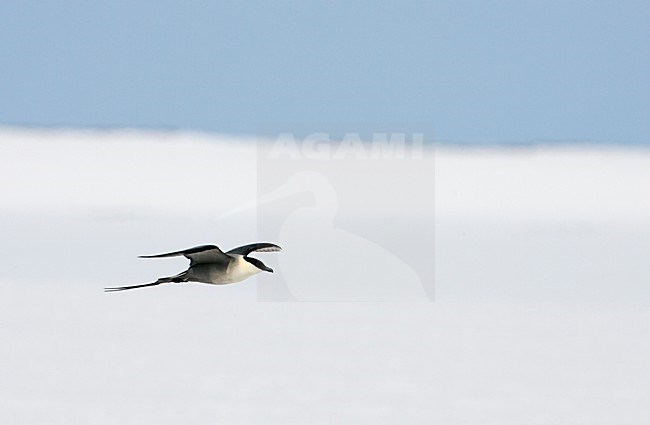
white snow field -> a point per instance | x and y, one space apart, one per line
540 313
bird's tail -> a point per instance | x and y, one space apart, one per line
182 277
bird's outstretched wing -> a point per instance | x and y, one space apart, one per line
255 247
197 255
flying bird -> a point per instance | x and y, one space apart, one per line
209 264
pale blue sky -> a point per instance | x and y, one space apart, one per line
471 70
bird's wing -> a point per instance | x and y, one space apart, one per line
255 247
197 255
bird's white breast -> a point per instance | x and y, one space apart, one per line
240 269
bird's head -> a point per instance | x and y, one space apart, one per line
260 265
